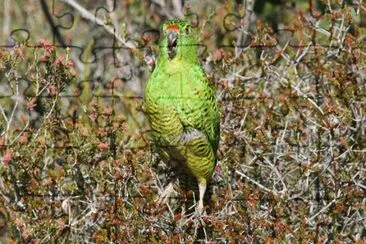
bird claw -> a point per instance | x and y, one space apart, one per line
200 208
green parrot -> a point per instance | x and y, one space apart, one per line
181 107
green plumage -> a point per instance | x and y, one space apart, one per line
181 106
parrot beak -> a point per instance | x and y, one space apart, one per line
172 38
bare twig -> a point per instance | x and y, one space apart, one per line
89 16
163 6
320 211
256 183
6 22
10 119
245 25
178 8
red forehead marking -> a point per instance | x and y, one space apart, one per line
173 27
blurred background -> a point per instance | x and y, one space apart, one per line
77 163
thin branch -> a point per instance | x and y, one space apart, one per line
10 119
48 16
178 8
320 211
242 37
89 16
162 4
6 22
3 114
256 183
20 133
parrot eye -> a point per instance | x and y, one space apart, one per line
187 30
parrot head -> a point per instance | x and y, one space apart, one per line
179 39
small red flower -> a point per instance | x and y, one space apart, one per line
52 90
103 146
107 111
44 58
31 104
19 53
59 60
73 72
46 44
7 157
69 63
218 54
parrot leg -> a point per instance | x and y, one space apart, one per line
202 185
169 189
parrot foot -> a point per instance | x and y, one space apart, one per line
200 207
202 189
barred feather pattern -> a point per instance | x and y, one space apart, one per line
182 127
182 110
